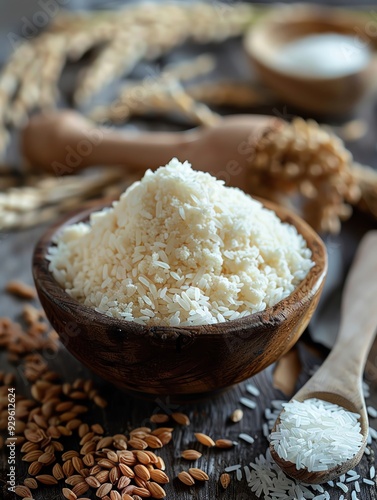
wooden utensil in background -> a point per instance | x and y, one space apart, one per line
65 142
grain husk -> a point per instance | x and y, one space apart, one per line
126 470
103 490
198 474
80 488
74 479
22 491
21 290
142 492
186 478
225 480
34 468
31 483
159 476
204 439
69 494
159 418
142 472
46 479
190 454
156 490
224 443
181 418
57 472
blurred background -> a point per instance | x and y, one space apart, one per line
176 65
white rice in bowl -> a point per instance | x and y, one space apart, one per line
180 248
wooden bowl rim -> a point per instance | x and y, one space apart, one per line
295 15
303 293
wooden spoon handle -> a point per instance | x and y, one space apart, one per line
64 142
341 373
359 304
136 150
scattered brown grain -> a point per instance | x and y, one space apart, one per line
114 475
77 464
46 479
123 482
46 458
31 483
32 456
103 490
74 479
103 443
185 478
142 492
115 495
29 446
67 455
22 491
160 464
69 494
80 488
159 418
181 418
156 490
225 480
142 472
57 472
137 444
98 429
68 468
158 442
190 454
101 402
93 482
160 430
198 474
204 439
224 443
83 430
21 290
126 470
164 437
103 476
34 468
159 476
106 463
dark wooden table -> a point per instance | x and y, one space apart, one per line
210 415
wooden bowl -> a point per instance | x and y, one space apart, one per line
178 361
319 95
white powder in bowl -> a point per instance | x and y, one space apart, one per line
316 434
323 55
180 248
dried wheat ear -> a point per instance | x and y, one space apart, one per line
303 158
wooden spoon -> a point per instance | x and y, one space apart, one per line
339 380
64 142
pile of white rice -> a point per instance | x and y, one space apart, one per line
180 248
317 435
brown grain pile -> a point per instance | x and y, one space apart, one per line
57 443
